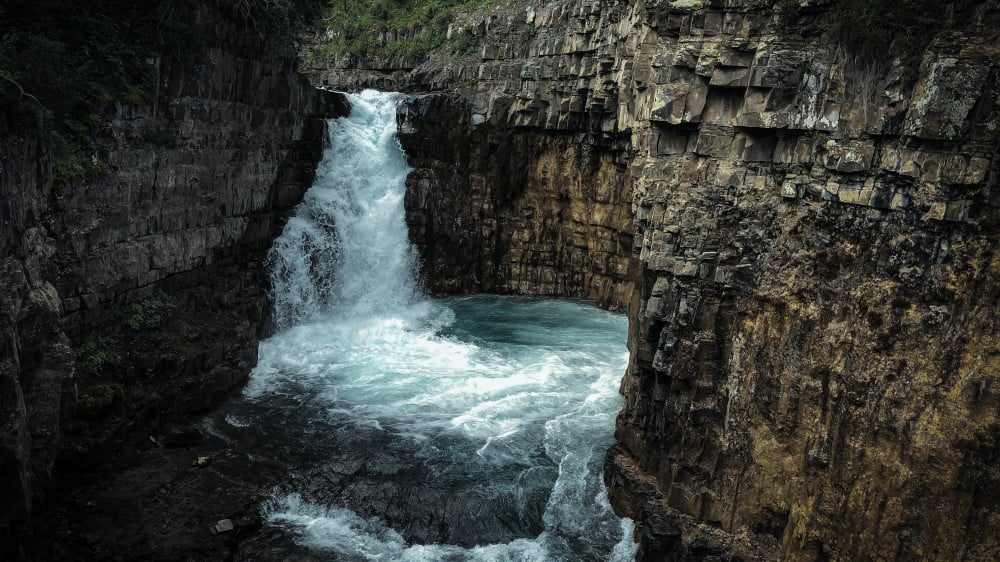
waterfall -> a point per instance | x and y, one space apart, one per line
346 252
462 429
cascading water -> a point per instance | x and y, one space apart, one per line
346 253
469 428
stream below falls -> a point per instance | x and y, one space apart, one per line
466 428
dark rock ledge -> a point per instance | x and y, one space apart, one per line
133 300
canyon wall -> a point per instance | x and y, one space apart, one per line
519 212
812 279
136 297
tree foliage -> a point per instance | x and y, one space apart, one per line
419 26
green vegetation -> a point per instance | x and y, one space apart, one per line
148 313
63 60
104 356
96 357
95 401
461 42
63 63
419 26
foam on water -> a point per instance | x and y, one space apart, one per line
515 393
352 221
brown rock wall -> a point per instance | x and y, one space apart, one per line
813 329
514 211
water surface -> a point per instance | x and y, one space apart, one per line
469 428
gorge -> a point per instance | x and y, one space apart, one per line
462 429
804 242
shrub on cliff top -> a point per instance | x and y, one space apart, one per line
368 26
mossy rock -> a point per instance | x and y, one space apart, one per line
98 357
97 401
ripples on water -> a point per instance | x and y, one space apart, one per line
468 428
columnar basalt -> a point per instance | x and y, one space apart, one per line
514 212
139 297
814 336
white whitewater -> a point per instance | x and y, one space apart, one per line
346 252
487 403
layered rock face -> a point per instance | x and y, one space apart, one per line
139 297
814 333
514 212
36 360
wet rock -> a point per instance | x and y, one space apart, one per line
422 501
660 540
184 436
222 526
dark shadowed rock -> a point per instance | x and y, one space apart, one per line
138 297
184 436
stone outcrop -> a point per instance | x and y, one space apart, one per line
514 212
814 337
138 297
36 360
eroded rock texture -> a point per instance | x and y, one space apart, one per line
814 334
36 389
501 210
139 297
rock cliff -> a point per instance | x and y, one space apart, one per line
806 246
137 297
510 211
